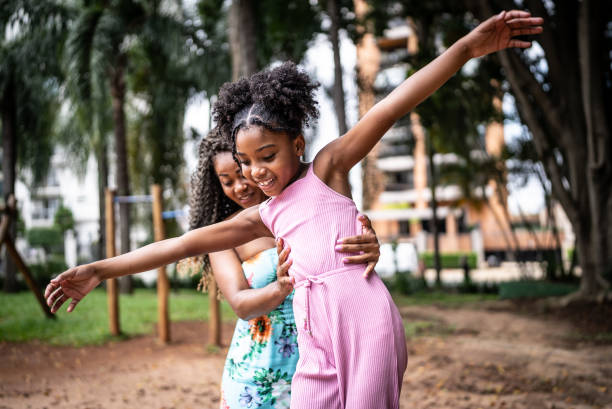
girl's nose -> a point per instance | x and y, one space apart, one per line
241 186
258 172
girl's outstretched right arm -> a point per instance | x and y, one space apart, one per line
78 281
496 33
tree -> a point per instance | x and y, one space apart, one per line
32 39
564 96
454 117
109 42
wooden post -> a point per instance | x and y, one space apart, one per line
111 285
14 254
10 247
159 233
214 314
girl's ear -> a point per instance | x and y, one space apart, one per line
299 144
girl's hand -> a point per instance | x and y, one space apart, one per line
284 282
498 32
74 283
365 244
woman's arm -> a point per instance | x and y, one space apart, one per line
250 302
77 282
494 34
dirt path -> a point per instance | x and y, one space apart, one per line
494 357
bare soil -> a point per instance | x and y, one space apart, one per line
493 355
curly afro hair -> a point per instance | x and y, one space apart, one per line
280 99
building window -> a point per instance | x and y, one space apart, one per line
404 227
427 226
44 209
398 181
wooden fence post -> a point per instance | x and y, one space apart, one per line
163 325
214 314
111 285
9 211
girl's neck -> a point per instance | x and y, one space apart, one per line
299 173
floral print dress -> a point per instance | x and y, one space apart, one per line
263 354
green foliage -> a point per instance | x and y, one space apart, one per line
21 318
32 36
449 260
534 289
63 219
405 283
44 272
50 239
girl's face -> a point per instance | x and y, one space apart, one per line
234 184
268 159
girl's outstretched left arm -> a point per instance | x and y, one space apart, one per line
496 33
78 281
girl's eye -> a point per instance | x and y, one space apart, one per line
244 163
269 157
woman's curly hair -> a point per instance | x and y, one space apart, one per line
208 204
280 99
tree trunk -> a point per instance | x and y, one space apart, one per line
102 159
434 210
569 126
242 35
338 90
9 165
122 176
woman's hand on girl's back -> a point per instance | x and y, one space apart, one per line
366 245
284 282
74 283
499 32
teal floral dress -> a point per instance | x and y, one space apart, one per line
263 354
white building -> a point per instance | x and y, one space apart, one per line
76 191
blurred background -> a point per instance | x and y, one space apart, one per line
505 166
499 186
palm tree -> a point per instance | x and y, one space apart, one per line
109 46
32 38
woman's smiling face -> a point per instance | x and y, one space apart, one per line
234 184
268 159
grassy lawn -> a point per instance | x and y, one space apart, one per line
21 318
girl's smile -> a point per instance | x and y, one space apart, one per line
269 159
234 184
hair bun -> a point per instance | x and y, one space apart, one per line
283 97
233 98
287 94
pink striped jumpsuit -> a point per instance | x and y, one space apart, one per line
350 334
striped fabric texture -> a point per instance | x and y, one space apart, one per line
350 334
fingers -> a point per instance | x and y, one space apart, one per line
519 44
361 258
369 269
72 305
50 288
283 269
366 223
523 21
526 31
514 14
279 245
366 246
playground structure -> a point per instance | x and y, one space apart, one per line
8 214
163 285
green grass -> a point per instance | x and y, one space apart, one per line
21 318
441 298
